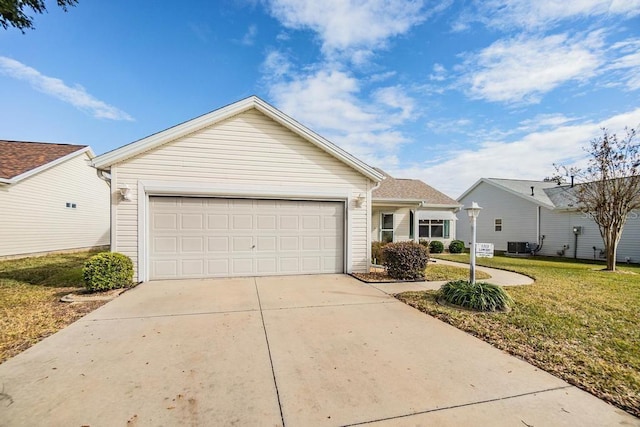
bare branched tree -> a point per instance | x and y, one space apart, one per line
609 188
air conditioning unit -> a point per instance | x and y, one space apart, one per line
518 247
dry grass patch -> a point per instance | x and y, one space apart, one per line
30 292
575 322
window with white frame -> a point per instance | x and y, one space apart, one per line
386 227
434 228
498 224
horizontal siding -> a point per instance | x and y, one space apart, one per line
247 149
518 215
558 230
35 218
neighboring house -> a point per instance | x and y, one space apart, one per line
544 215
51 199
242 191
409 209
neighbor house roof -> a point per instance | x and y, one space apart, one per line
21 159
105 160
410 190
545 193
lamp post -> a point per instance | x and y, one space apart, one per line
473 211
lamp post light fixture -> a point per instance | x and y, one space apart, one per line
473 211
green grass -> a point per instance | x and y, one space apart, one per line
440 272
577 322
30 291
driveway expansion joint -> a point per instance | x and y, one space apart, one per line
266 338
330 305
462 405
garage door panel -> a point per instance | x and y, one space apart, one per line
208 237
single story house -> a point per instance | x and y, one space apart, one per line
521 216
409 209
244 190
51 199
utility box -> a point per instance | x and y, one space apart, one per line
518 247
577 230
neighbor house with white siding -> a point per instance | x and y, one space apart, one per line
51 199
242 191
409 209
543 215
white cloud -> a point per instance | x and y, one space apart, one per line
628 61
439 73
528 157
249 37
333 103
344 25
522 69
76 96
506 14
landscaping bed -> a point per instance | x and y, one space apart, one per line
577 322
434 272
30 293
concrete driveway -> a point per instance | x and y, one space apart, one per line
296 351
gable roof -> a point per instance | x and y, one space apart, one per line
545 193
21 159
410 190
104 161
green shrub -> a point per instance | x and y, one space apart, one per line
405 260
456 247
377 254
107 270
436 247
479 296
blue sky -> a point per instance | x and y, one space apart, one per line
447 92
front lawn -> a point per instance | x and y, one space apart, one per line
576 322
30 291
439 272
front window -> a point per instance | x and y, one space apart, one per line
386 228
434 228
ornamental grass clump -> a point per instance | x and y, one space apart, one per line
405 260
106 271
480 296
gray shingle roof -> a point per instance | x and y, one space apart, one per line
410 190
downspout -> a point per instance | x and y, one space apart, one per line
369 222
106 177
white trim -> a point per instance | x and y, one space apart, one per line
105 160
147 189
445 215
46 166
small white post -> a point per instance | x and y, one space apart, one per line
473 211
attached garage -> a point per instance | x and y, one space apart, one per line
196 237
242 191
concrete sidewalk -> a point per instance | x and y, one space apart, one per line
281 351
498 277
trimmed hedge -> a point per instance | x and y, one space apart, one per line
479 296
377 254
107 270
456 247
405 260
436 247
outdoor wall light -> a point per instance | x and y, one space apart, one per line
360 200
125 192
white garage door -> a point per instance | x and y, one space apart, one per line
194 237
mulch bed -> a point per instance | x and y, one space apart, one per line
380 277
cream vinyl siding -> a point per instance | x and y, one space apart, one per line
35 217
518 216
246 150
